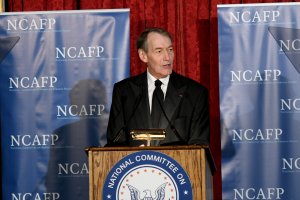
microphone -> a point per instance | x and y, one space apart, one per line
137 102
173 128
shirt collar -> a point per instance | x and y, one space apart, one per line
152 79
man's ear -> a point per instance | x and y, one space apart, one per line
143 55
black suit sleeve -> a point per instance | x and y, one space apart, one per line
115 130
199 129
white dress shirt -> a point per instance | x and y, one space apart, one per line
151 86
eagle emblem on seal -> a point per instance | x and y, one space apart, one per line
159 193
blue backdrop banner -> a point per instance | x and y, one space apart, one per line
259 46
57 71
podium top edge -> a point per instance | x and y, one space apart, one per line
158 148
123 148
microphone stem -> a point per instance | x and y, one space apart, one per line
169 122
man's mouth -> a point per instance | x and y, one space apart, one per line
167 65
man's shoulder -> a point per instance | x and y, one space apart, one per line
133 80
181 80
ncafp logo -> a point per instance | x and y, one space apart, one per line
288 40
147 175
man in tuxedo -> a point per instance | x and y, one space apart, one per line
179 104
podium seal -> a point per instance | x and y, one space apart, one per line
147 175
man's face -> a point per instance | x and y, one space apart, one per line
159 55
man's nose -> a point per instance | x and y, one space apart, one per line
166 55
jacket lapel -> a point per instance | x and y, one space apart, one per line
173 98
143 110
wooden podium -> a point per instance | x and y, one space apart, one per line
196 161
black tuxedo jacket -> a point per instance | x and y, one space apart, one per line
186 106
